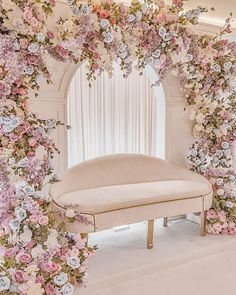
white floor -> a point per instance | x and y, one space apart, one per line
181 262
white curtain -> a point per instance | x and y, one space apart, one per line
115 115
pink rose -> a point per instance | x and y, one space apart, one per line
52 2
24 257
21 91
34 22
49 266
43 220
40 279
19 276
33 219
178 3
24 43
51 35
50 289
13 137
32 141
27 14
103 13
10 252
2 86
30 245
41 16
32 59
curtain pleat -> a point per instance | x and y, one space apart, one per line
115 115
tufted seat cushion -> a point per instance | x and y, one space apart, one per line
104 199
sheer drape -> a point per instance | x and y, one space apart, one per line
115 115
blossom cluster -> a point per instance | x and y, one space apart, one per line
37 256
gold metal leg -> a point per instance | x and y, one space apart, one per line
165 221
203 223
150 231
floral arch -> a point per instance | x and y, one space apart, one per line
37 256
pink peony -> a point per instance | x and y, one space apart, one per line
21 91
19 276
33 219
32 141
10 252
27 14
41 16
40 279
51 35
32 59
24 43
103 13
49 266
43 220
24 257
50 289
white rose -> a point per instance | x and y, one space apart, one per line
162 31
104 23
4 283
20 214
33 48
73 262
70 213
14 224
40 37
37 251
131 18
67 289
61 279
220 192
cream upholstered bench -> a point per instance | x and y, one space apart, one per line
122 189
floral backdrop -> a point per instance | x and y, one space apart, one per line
36 255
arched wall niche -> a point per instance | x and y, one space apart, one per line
52 102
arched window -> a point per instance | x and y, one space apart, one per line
115 115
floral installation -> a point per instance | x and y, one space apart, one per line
36 255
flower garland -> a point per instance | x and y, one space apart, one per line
36 256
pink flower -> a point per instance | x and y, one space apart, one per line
19 276
21 91
52 2
40 279
2 86
10 252
178 3
27 14
32 59
32 141
24 257
103 13
160 3
50 289
33 219
34 22
13 137
41 16
24 43
51 35
43 220
30 245
49 266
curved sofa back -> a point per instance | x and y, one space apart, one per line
120 169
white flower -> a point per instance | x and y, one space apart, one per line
73 262
75 9
217 68
225 145
4 283
23 162
28 190
123 53
70 2
61 279
156 53
39 195
40 37
52 241
162 31
16 45
220 192
26 236
131 18
219 181
227 66
85 9
139 15
229 204
104 23
14 224
193 153
108 37
70 213
219 153
29 70
20 214
167 37
37 251
144 8
67 289
33 48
